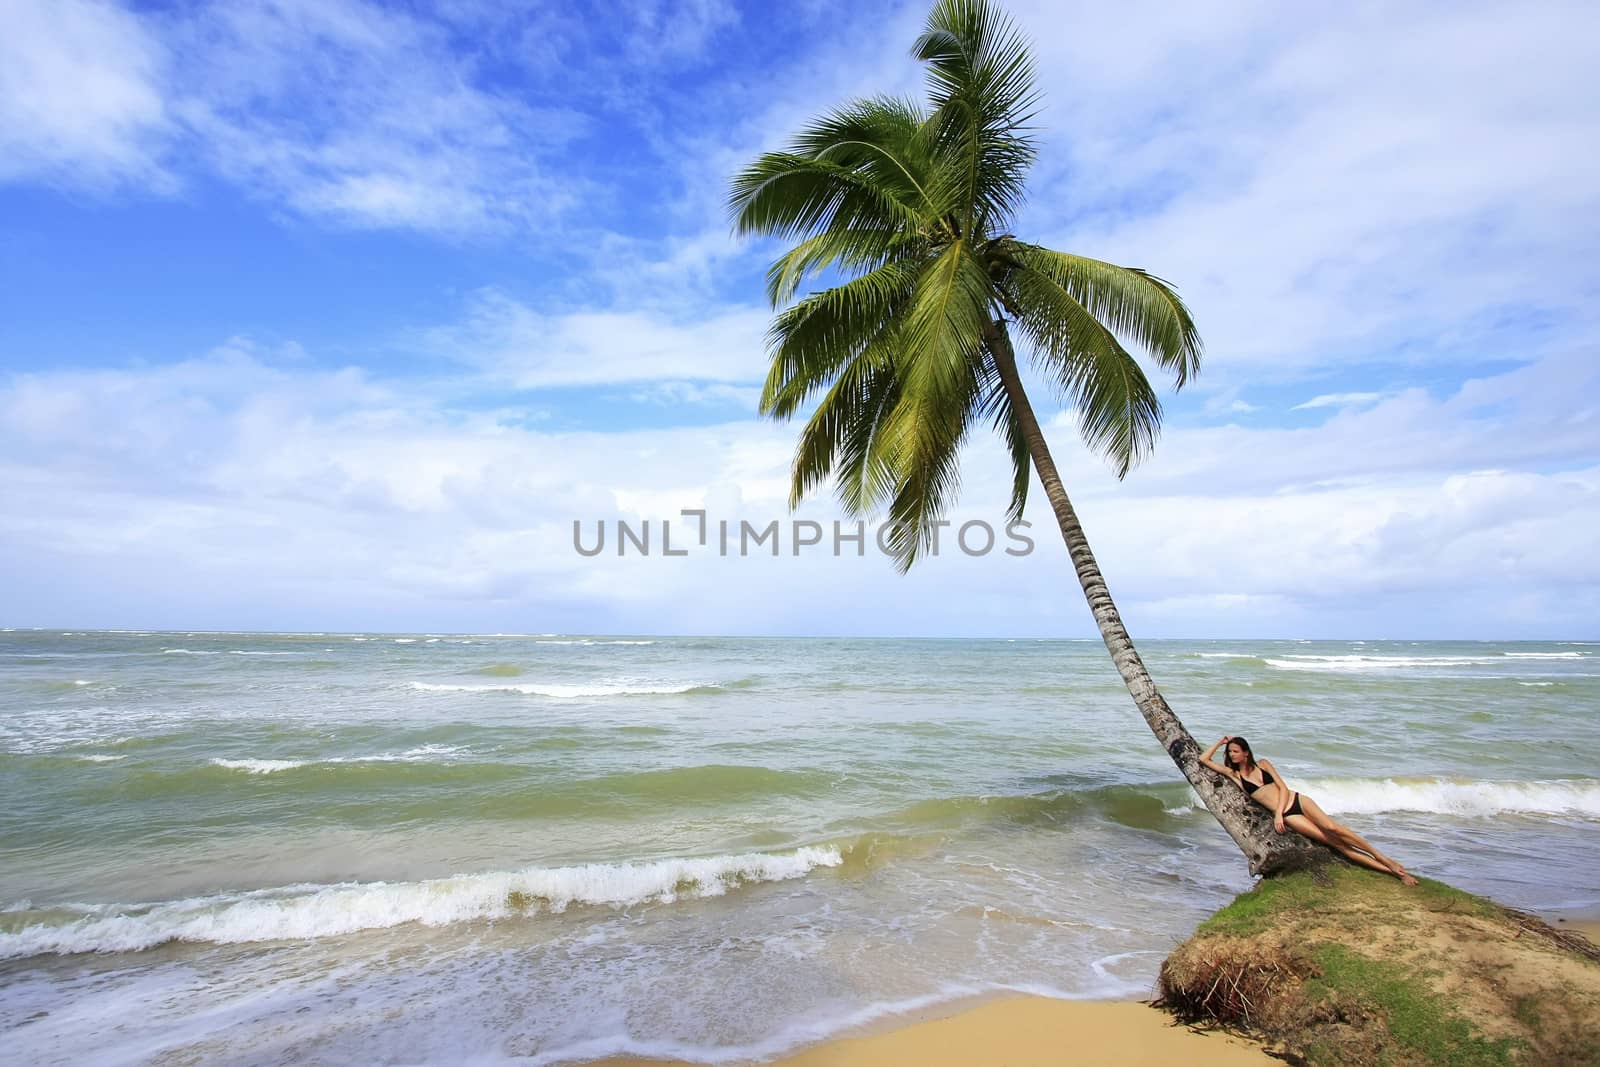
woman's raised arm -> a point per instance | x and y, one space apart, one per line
1207 761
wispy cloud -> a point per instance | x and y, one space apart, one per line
1359 192
374 506
744 397
1360 183
343 111
1338 400
81 103
367 116
528 348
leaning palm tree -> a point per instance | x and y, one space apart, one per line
909 208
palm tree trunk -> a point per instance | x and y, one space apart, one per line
1246 822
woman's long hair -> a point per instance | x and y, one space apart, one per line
1227 755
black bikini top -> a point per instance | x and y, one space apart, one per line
1251 787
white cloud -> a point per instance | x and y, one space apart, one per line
80 96
340 110
1359 183
530 349
678 30
1362 185
671 392
291 496
1338 400
366 116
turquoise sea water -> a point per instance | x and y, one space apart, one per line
333 848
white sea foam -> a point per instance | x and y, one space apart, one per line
1536 685
312 911
591 641
1372 664
259 766
1546 655
1225 655
188 652
1452 796
101 759
267 766
565 692
242 652
405 640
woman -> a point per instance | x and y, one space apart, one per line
1296 810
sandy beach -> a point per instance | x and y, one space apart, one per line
1041 1032
1027 1032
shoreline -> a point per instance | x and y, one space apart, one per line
1023 1030
1016 1029
1587 926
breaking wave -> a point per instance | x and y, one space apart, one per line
312 911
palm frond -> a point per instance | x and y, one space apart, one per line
911 206
884 137
945 319
842 435
923 434
842 249
1118 412
981 85
787 195
810 341
996 406
1132 303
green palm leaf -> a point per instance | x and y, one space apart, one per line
811 340
1118 412
980 82
1129 301
914 207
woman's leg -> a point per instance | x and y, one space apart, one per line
1350 838
1303 825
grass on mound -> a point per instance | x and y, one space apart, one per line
1417 1018
1331 890
1345 966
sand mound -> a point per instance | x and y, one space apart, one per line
1342 966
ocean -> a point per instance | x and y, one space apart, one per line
249 848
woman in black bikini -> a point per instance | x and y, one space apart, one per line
1296 810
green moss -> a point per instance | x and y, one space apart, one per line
1416 1018
1250 911
1334 886
1319 1053
1528 1013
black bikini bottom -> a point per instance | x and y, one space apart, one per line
1294 807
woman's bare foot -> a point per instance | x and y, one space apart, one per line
1405 876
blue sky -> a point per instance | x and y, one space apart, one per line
335 315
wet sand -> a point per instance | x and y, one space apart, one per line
1028 1032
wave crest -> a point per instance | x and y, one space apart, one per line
571 692
313 911
268 766
1454 796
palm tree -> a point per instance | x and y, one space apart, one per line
910 209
